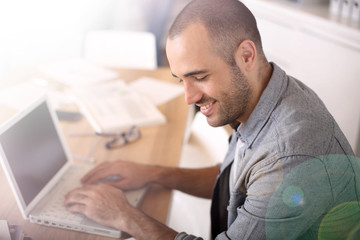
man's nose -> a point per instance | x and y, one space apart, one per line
192 93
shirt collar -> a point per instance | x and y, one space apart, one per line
263 109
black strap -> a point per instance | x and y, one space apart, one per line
220 201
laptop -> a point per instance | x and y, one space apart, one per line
36 161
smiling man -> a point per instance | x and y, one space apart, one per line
289 172
223 93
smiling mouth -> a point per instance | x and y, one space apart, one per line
207 108
204 107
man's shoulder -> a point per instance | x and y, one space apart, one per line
300 122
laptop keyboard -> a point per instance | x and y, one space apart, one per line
55 207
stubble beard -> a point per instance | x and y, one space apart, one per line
234 101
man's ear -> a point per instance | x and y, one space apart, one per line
245 55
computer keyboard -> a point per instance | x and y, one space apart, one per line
70 180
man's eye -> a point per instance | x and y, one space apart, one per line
201 78
180 80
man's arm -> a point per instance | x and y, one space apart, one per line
108 205
198 182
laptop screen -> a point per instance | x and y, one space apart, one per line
34 151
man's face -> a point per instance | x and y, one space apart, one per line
221 91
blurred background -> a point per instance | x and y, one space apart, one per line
40 31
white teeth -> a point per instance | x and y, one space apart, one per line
206 106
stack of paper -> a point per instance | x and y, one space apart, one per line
113 107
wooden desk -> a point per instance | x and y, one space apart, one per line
158 145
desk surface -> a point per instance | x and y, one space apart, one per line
159 145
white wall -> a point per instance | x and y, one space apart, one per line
323 54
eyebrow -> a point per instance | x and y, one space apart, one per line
196 72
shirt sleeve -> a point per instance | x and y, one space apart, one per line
185 236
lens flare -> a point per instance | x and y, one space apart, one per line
341 222
293 196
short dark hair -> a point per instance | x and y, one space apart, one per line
228 22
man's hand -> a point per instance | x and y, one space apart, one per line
108 205
130 175
102 203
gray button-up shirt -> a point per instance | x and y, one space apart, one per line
297 177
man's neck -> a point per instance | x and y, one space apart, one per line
264 75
